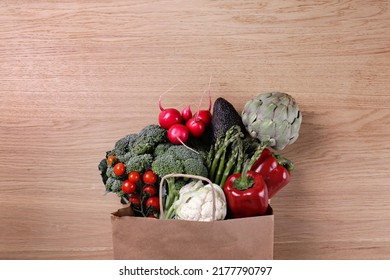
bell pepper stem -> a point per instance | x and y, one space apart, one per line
288 164
244 182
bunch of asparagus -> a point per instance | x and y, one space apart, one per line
228 155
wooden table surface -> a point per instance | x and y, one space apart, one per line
75 76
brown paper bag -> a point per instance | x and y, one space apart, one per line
138 238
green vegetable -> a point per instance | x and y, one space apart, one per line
178 159
273 118
139 163
121 146
161 148
103 168
113 185
147 140
136 152
223 154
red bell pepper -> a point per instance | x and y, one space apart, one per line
274 169
246 196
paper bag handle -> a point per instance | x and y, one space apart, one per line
185 176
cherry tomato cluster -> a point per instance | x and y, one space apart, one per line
142 193
139 189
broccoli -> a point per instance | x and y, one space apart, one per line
125 157
150 149
113 185
103 168
161 149
122 145
139 163
147 140
194 166
136 151
178 159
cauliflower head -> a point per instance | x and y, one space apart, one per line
195 202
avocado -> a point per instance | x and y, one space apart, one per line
224 117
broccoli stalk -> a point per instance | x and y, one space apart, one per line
171 209
173 194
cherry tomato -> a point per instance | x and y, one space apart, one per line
111 160
129 187
119 169
153 202
149 177
134 176
135 200
151 190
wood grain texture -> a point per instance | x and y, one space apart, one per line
75 77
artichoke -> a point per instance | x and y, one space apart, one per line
273 118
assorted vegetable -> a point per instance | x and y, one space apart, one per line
231 150
274 118
195 203
177 159
246 194
168 117
275 170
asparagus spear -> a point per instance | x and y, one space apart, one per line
231 135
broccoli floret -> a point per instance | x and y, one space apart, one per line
121 146
103 168
181 152
148 139
110 172
161 149
125 157
195 166
139 163
113 185
123 143
167 164
155 131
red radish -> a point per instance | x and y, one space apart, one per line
204 116
196 127
186 114
168 117
178 134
